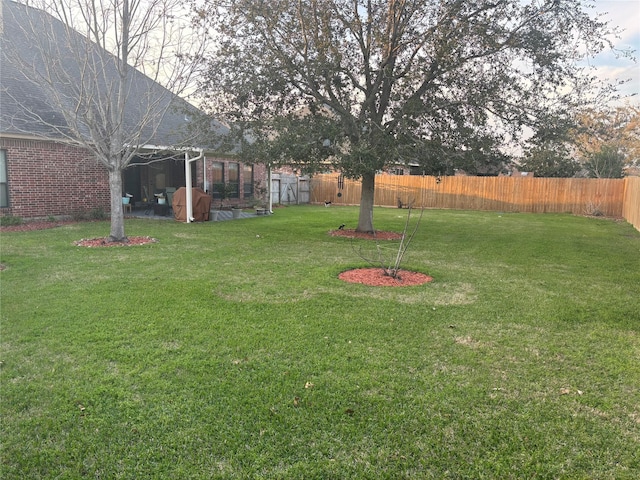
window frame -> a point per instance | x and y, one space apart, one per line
217 185
248 171
233 169
4 180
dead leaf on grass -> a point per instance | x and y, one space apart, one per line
567 391
81 407
309 385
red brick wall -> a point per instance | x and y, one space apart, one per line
47 178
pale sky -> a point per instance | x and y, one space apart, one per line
626 15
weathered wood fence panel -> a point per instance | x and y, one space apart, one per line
631 207
508 194
289 189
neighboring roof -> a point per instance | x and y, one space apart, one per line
28 108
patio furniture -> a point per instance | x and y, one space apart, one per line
126 204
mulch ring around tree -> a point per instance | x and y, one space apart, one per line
105 242
375 277
378 235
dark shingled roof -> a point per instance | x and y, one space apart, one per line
28 108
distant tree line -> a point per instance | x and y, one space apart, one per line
600 143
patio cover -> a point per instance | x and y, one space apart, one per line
201 205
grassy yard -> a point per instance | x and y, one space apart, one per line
231 350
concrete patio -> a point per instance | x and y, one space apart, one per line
222 216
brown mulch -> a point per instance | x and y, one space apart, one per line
105 242
378 235
375 277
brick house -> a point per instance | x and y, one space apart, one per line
42 174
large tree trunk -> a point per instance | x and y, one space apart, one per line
365 220
117 215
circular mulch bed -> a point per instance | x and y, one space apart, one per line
105 242
375 277
378 235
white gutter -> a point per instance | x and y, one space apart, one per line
164 148
204 175
269 188
187 172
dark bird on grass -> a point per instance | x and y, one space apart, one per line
341 227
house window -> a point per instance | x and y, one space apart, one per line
217 181
4 190
247 180
234 180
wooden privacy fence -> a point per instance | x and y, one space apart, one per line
631 206
613 197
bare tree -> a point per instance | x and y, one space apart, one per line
391 268
106 73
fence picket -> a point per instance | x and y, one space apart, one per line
631 205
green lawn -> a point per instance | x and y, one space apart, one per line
231 350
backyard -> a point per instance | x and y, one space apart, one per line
232 350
